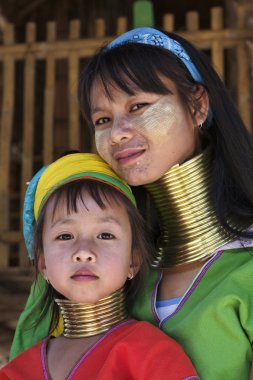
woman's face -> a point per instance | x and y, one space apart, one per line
143 135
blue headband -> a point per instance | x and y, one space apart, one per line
150 36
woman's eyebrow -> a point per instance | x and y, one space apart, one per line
96 109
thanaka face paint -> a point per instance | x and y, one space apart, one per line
144 135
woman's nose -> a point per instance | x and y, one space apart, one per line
122 129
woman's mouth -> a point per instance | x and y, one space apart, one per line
127 156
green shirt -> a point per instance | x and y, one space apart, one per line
214 319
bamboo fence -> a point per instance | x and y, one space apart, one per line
230 51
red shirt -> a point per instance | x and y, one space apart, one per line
130 350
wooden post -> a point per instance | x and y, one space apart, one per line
168 22
5 140
74 123
49 97
192 21
28 124
243 80
100 28
217 48
121 25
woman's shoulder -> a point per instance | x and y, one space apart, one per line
242 257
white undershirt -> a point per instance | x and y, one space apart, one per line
166 307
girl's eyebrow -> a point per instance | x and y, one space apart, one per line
103 219
109 219
62 221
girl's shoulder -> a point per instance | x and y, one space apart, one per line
20 367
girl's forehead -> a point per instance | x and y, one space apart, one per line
68 203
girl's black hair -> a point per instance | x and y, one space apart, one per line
104 195
232 146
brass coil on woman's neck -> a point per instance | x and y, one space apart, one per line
190 230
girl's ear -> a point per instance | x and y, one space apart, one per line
135 263
42 265
201 105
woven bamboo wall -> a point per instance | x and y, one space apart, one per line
39 113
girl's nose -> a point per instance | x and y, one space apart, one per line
84 254
122 129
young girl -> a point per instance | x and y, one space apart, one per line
89 246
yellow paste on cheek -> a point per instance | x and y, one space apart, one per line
159 118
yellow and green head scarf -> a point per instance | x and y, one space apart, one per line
66 169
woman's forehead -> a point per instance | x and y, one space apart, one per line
110 89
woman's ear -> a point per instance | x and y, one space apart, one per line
201 105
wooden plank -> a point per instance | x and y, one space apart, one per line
218 58
87 47
74 33
217 45
192 21
216 18
100 27
6 130
28 123
8 35
49 98
122 23
168 22
73 67
74 124
243 80
12 237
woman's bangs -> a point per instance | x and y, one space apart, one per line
127 68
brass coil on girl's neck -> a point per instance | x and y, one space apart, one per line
190 230
84 320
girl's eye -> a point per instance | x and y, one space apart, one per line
138 106
65 237
106 236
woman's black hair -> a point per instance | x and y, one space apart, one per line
144 65
104 195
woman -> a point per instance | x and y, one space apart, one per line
163 119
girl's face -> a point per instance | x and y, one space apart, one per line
87 254
143 135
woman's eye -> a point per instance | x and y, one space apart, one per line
65 237
106 236
138 106
102 121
